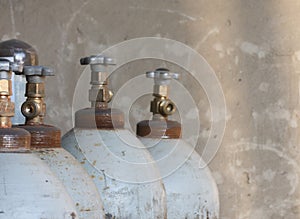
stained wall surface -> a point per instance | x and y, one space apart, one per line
253 47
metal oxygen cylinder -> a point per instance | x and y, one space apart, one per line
191 191
29 189
119 164
45 143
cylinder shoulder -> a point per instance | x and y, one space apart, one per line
41 193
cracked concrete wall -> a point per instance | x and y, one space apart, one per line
254 48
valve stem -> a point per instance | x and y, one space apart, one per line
34 108
161 105
11 139
99 93
7 108
99 116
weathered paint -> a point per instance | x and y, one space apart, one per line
122 169
191 190
77 182
29 189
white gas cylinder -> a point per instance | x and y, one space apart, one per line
191 190
123 170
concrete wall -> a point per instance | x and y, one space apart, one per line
254 48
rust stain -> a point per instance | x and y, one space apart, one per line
159 129
98 118
73 215
43 136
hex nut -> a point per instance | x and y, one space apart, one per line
5 87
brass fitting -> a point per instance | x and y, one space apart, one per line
5 87
34 108
161 105
7 108
99 94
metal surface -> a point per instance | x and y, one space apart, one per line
93 118
24 194
161 107
45 143
43 136
14 139
29 189
112 159
161 104
24 54
99 94
116 160
76 180
191 191
7 107
11 139
34 108
99 115
159 129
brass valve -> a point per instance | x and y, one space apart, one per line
7 108
34 108
99 94
161 104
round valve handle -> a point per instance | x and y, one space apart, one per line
38 71
7 65
97 60
162 74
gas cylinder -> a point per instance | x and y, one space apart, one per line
29 189
45 143
191 191
122 168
